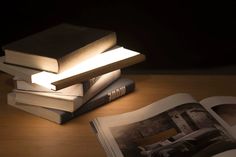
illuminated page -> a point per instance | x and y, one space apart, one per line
223 108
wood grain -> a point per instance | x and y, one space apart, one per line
25 135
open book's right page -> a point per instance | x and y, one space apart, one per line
223 109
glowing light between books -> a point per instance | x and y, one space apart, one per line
46 78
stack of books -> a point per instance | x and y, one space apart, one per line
67 70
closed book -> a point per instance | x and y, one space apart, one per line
65 102
59 48
97 65
78 89
117 89
17 71
23 80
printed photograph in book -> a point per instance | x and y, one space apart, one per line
186 130
226 112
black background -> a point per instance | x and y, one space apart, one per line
172 34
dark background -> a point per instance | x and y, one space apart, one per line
172 34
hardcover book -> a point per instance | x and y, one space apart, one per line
117 89
65 102
59 48
175 126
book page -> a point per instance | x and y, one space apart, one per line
174 126
228 153
223 108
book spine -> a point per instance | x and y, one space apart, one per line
116 93
110 96
89 83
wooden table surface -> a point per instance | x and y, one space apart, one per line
24 135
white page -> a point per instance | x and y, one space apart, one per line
211 102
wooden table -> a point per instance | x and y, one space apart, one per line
24 135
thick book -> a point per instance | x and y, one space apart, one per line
116 90
23 81
78 89
65 102
174 126
59 48
108 61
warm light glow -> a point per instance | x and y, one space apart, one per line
45 78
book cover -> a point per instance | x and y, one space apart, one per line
117 58
59 48
119 88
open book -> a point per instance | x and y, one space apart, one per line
176 126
